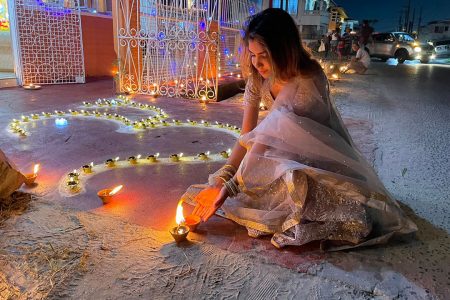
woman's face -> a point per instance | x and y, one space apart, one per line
260 58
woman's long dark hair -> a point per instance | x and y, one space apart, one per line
275 29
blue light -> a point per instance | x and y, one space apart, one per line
60 122
226 51
202 25
161 36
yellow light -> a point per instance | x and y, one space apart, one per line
36 169
115 190
179 218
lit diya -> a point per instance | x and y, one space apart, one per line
153 158
192 222
179 232
88 168
203 156
134 159
31 86
74 174
175 157
111 162
107 194
30 178
72 183
224 154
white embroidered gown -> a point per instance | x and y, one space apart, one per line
303 180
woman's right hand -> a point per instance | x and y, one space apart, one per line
205 199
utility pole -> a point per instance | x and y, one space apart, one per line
420 22
411 23
400 21
407 16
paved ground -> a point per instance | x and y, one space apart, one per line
76 247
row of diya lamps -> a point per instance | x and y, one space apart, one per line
73 177
179 232
150 122
332 70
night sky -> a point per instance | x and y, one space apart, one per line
387 12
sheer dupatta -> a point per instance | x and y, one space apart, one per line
302 179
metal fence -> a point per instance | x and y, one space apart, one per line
178 48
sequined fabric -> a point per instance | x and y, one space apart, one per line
303 180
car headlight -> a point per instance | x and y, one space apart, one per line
417 49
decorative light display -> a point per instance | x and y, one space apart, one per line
155 121
75 180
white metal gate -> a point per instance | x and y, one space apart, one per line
178 48
47 41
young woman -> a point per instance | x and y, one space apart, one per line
296 175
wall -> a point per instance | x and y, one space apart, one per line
98 45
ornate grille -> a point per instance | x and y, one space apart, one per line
49 41
178 48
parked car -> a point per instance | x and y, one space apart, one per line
442 48
399 45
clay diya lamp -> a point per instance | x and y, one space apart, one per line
134 159
175 157
224 154
31 86
106 195
153 158
111 162
72 183
31 178
179 232
192 221
88 168
203 156
74 174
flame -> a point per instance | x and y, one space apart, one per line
179 217
115 190
139 156
181 154
92 164
36 169
335 76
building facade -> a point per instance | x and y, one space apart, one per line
435 31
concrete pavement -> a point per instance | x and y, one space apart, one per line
379 112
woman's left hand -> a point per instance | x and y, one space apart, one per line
206 209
